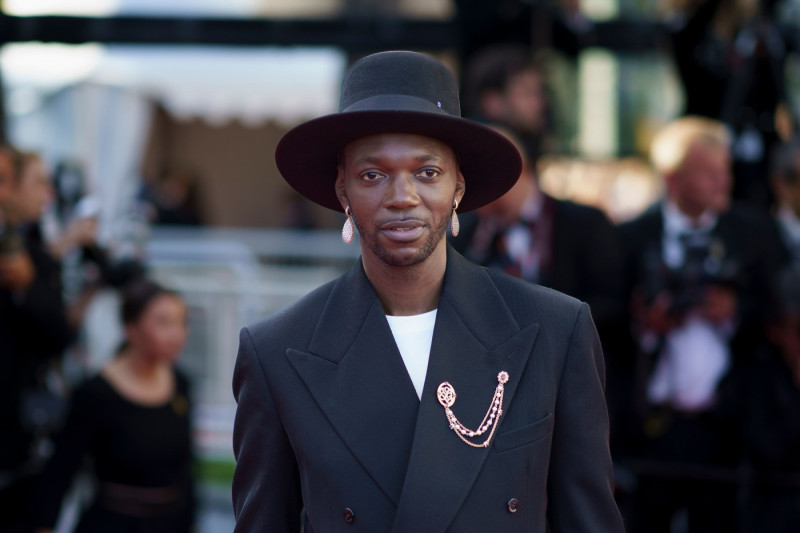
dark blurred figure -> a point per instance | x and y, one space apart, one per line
699 272
535 24
34 329
786 184
70 184
772 423
174 199
504 85
731 58
133 421
569 247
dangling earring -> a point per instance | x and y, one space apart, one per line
347 229
455 226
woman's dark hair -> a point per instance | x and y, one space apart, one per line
137 297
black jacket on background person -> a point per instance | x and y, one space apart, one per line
141 459
772 435
33 330
586 259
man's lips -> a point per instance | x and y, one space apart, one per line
402 230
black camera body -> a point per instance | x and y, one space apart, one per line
705 263
115 273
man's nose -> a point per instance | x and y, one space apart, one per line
403 191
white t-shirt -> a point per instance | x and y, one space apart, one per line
413 336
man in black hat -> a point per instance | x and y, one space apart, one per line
418 392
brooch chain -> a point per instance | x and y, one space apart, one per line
447 397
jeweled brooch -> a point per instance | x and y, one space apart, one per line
447 397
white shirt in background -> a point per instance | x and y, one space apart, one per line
695 355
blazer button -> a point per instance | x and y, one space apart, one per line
513 505
349 516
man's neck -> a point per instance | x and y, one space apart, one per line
694 216
408 290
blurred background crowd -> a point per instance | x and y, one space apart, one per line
143 222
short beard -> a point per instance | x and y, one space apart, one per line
391 259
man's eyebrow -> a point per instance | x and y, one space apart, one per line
372 159
428 157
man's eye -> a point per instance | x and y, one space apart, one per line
371 175
429 173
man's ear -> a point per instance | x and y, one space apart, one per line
460 186
341 193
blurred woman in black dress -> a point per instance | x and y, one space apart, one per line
132 421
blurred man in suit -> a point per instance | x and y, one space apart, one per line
569 247
699 280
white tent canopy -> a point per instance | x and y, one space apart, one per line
93 104
216 83
209 8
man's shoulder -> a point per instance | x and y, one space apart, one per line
298 319
650 216
746 216
647 225
581 212
529 302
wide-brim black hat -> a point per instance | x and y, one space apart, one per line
398 92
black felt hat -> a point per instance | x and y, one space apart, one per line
397 92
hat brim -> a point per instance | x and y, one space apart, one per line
307 155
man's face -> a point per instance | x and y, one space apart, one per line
400 188
33 194
703 182
525 102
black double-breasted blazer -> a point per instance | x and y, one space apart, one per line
329 431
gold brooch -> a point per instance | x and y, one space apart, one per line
447 397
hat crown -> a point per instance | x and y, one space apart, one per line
401 81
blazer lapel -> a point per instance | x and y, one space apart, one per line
475 338
356 375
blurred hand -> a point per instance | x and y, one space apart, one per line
16 271
720 304
81 232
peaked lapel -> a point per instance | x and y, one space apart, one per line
356 375
475 337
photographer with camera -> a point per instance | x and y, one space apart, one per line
699 272
34 329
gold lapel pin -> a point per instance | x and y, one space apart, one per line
447 397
